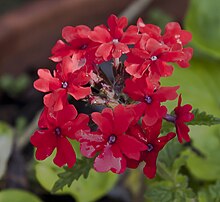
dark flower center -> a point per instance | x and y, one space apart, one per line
150 147
58 131
64 84
83 47
170 118
153 58
112 139
148 99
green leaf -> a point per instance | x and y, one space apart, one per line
202 118
81 168
6 141
160 191
13 86
167 127
207 141
16 195
199 86
214 191
166 191
95 185
170 152
210 193
203 20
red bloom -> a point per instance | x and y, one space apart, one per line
183 115
113 40
77 43
68 78
54 130
175 37
149 136
151 57
111 140
150 97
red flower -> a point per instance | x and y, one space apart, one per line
151 57
183 115
149 136
54 130
113 40
69 78
77 43
150 97
175 37
111 140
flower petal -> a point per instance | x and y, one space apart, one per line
131 147
110 159
65 153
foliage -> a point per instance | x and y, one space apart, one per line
17 195
6 142
95 185
202 118
81 168
203 21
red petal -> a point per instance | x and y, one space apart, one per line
100 35
46 82
68 113
110 159
133 90
103 123
166 93
150 167
104 50
56 100
119 49
131 147
79 92
80 123
122 119
65 153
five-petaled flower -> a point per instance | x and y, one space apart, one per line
69 78
113 40
149 136
111 140
150 95
54 130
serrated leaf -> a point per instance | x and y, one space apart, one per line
214 191
160 191
81 168
170 152
210 193
95 186
167 191
202 118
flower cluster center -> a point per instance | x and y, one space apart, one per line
58 131
83 47
64 84
150 147
153 58
148 99
115 40
112 139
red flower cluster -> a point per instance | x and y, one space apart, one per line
128 129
